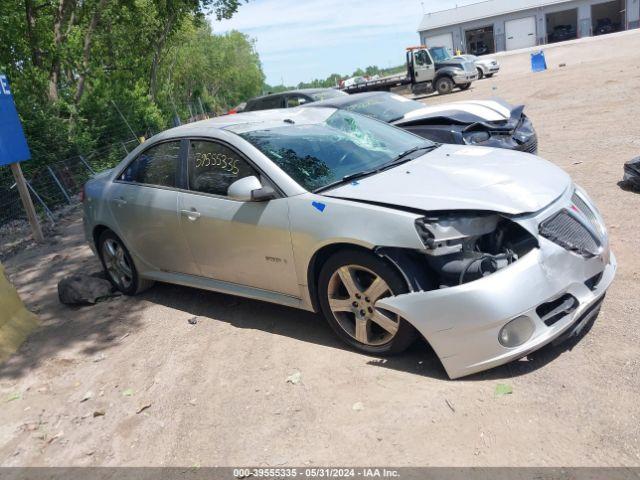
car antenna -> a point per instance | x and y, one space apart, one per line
288 120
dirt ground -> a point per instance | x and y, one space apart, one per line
131 382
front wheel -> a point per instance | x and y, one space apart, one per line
480 73
119 266
464 86
350 284
444 85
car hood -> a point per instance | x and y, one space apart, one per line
463 112
455 177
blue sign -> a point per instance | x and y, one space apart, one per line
13 145
538 62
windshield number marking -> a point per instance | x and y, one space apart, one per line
220 160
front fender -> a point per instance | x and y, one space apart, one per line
318 221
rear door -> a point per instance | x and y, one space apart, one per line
144 202
246 243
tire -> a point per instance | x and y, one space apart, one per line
444 85
118 265
363 269
480 73
464 86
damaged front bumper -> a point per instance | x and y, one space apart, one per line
558 291
463 323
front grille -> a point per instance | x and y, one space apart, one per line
530 146
567 231
588 212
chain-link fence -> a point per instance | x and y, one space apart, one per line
56 184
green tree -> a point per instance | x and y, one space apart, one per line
71 61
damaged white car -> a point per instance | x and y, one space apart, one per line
488 254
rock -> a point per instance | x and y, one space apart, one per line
294 378
193 320
99 413
83 290
358 406
86 397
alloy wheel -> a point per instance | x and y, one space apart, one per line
353 291
116 263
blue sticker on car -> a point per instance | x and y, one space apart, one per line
319 206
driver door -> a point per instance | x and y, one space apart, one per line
246 243
423 67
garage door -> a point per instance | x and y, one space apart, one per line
521 33
445 40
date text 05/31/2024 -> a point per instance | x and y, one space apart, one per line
315 473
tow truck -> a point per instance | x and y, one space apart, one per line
428 69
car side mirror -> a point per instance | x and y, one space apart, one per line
263 194
249 189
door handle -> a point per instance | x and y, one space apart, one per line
119 201
190 214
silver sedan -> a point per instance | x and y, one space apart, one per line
487 254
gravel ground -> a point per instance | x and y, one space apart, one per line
131 382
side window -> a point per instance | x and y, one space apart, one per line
271 102
213 167
422 58
296 100
251 106
157 165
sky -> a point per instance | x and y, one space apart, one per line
299 40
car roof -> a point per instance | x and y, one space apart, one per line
338 102
249 121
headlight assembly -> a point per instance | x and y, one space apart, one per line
473 138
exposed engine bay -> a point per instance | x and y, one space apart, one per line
460 248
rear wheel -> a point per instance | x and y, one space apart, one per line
464 86
480 73
350 284
444 85
118 265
